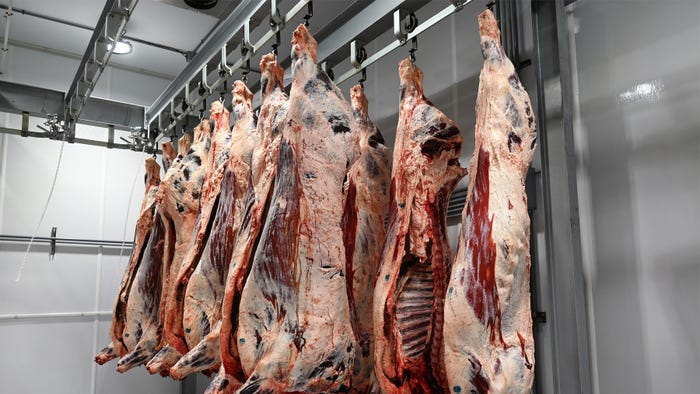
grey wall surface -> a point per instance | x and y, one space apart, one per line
638 69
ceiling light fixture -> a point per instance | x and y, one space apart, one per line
122 47
201 4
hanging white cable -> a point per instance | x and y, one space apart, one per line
128 207
43 213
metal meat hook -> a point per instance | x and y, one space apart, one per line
309 13
414 48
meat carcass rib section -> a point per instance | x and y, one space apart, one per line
295 297
366 209
263 170
409 294
123 344
488 327
229 182
178 201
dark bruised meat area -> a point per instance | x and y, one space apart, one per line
339 123
513 139
376 139
440 139
512 112
481 384
492 51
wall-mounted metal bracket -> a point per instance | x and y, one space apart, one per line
110 137
25 124
539 317
52 250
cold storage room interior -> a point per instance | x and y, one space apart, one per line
610 215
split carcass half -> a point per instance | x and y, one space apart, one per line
294 309
410 290
489 346
144 298
366 209
120 344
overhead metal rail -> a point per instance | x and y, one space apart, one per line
402 36
110 28
214 53
178 95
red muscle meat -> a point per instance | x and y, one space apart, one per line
488 327
409 294
366 208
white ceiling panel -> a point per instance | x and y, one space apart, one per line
36 31
78 11
169 25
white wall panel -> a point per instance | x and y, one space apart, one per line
639 78
90 201
46 356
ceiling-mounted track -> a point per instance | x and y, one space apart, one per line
110 27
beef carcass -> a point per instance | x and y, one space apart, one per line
294 309
410 290
202 303
144 298
488 327
264 167
178 201
366 205
122 344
